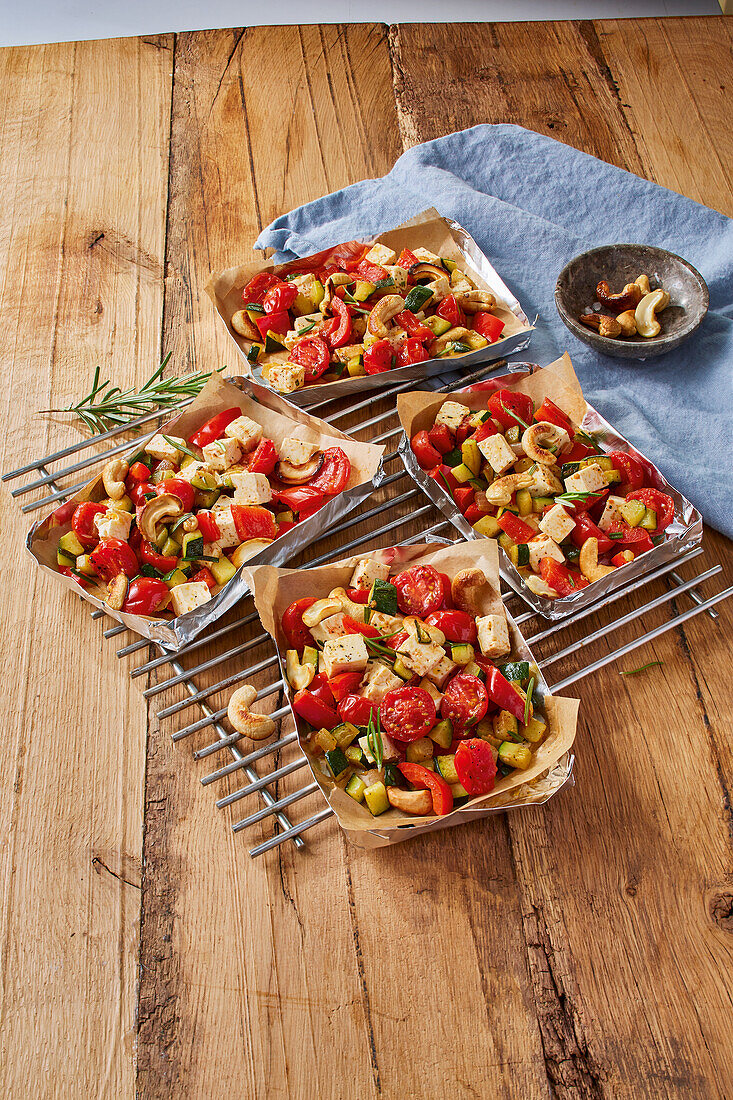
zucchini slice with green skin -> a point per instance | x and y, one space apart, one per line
417 298
383 597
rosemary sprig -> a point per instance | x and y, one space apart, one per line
528 700
575 496
107 406
641 668
514 416
374 740
180 447
584 437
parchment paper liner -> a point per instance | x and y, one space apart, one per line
274 589
417 410
429 230
278 419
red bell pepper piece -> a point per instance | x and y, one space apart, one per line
357 710
205 576
444 478
502 693
576 452
351 626
618 559
413 326
426 780
264 458
423 450
441 438
214 428
515 528
358 595
314 711
560 578
488 326
371 273
339 331
464 495
484 431
162 562
585 528
549 412
406 258
273 322
208 526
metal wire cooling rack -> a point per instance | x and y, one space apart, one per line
202 673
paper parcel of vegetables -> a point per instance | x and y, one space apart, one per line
577 510
417 701
158 539
415 301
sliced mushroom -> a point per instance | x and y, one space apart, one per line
247 550
427 271
473 301
113 478
419 803
298 475
385 309
116 592
466 589
256 726
338 278
156 512
242 325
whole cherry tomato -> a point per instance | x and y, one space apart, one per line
425 453
139 491
177 487
379 357
476 767
296 632
146 596
257 288
112 557
357 710
83 525
280 297
631 470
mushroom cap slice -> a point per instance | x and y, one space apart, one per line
298 475
427 271
166 506
247 550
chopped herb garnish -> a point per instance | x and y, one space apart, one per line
181 447
615 534
447 486
642 668
528 700
583 437
514 416
374 740
306 328
576 496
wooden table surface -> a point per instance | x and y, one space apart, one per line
581 949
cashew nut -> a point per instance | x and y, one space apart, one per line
588 561
242 325
604 326
419 803
320 610
190 524
299 675
450 337
466 587
157 511
385 309
500 491
256 726
113 478
646 322
629 297
473 301
540 587
627 321
338 278
354 610
642 281
549 434
116 592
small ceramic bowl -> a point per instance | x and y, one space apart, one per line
618 264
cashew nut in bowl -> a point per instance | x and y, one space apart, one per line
411 802
500 491
604 326
473 301
588 561
629 297
548 434
450 337
466 588
627 321
385 309
256 726
651 304
642 281
113 478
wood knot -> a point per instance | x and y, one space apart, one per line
721 909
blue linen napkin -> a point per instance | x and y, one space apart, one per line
532 204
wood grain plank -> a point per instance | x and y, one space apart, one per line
249 973
83 143
626 883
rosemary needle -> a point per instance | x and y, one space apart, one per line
107 406
641 668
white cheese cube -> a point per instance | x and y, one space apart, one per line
497 453
184 597
251 488
459 283
421 657
379 681
398 276
557 523
246 431
332 627
385 624
545 483
439 673
161 448
367 572
349 351
425 256
286 377
296 451
542 546
452 414
222 453
493 635
347 654
309 320
589 479
611 513
380 254
227 528
308 286
192 469
114 524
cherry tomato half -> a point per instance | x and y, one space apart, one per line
253 522
458 626
146 596
82 523
297 633
311 352
465 701
334 473
280 297
407 713
476 767
511 409
112 557
419 590
449 310
379 357
257 288
657 501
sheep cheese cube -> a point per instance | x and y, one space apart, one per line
192 469
308 320
421 657
246 431
589 479
227 528
452 414
367 572
385 624
332 627
440 672
348 352
545 483
347 654
557 523
161 448
286 377
380 254
425 256
611 513
497 453
398 276
296 451
222 453
251 488
184 597
114 524
379 681
542 546
493 635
